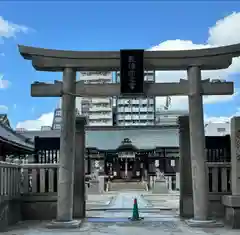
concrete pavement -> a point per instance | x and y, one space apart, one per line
113 220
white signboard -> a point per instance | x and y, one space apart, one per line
172 162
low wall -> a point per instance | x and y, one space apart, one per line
10 179
39 206
10 212
29 192
216 208
39 191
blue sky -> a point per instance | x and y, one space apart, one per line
108 25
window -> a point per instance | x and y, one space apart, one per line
221 129
58 113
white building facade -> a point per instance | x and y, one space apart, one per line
98 111
168 117
136 111
217 129
57 118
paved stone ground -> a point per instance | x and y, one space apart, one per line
113 221
167 227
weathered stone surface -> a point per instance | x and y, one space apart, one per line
73 224
186 197
79 197
232 210
160 186
67 148
235 155
197 140
10 212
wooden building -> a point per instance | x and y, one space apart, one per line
128 152
12 144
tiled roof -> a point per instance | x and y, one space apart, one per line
10 136
4 119
111 139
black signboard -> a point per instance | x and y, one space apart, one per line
132 72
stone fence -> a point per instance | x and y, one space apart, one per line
10 194
29 191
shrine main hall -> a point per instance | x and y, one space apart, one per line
121 152
128 153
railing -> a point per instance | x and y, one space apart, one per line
170 181
42 178
10 179
39 178
219 177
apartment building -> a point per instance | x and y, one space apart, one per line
98 111
136 111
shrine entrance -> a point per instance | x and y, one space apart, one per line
126 164
126 168
131 64
127 161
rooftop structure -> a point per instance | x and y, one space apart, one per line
168 117
147 137
14 143
217 129
4 120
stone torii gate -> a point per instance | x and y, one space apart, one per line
69 62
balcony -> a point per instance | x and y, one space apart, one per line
101 101
99 108
100 123
100 117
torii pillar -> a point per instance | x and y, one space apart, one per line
67 154
197 149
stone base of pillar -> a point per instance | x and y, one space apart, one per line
186 206
204 223
232 211
160 187
94 187
64 224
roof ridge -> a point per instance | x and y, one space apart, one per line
8 128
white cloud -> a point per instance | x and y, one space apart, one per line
226 31
221 119
230 25
3 109
4 83
9 29
181 102
44 120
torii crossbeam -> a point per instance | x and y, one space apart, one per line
151 89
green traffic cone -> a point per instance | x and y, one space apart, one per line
135 212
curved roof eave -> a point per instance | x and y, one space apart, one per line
29 52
